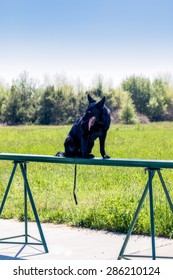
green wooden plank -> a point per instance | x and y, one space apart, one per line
96 161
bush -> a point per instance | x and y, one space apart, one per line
127 113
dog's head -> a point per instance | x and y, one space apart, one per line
93 111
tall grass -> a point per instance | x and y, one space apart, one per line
108 196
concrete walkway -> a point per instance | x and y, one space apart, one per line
69 243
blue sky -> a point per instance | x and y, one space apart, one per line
84 38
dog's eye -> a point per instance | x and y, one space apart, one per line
88 112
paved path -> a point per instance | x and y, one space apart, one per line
69 243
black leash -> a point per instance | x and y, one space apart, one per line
74 188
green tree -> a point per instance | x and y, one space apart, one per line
115 98
158 105
20 101
169 102
12 110
140 89
3 97
82 103
70 103
60 107
46 107
98 87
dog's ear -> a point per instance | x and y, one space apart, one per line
101 103
90 99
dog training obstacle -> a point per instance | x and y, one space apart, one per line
152 167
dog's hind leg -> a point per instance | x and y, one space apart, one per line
60 154
70 148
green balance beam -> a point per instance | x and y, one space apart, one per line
151 164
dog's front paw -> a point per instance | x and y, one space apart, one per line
90 156
106 156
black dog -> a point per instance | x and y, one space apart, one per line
93 124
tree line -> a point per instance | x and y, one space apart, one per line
137 99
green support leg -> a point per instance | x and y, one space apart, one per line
33 206
165 190
8 187
25 207
120 256
150 178
27 193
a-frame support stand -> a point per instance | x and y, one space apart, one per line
27 194
148 188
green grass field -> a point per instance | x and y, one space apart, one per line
107 196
